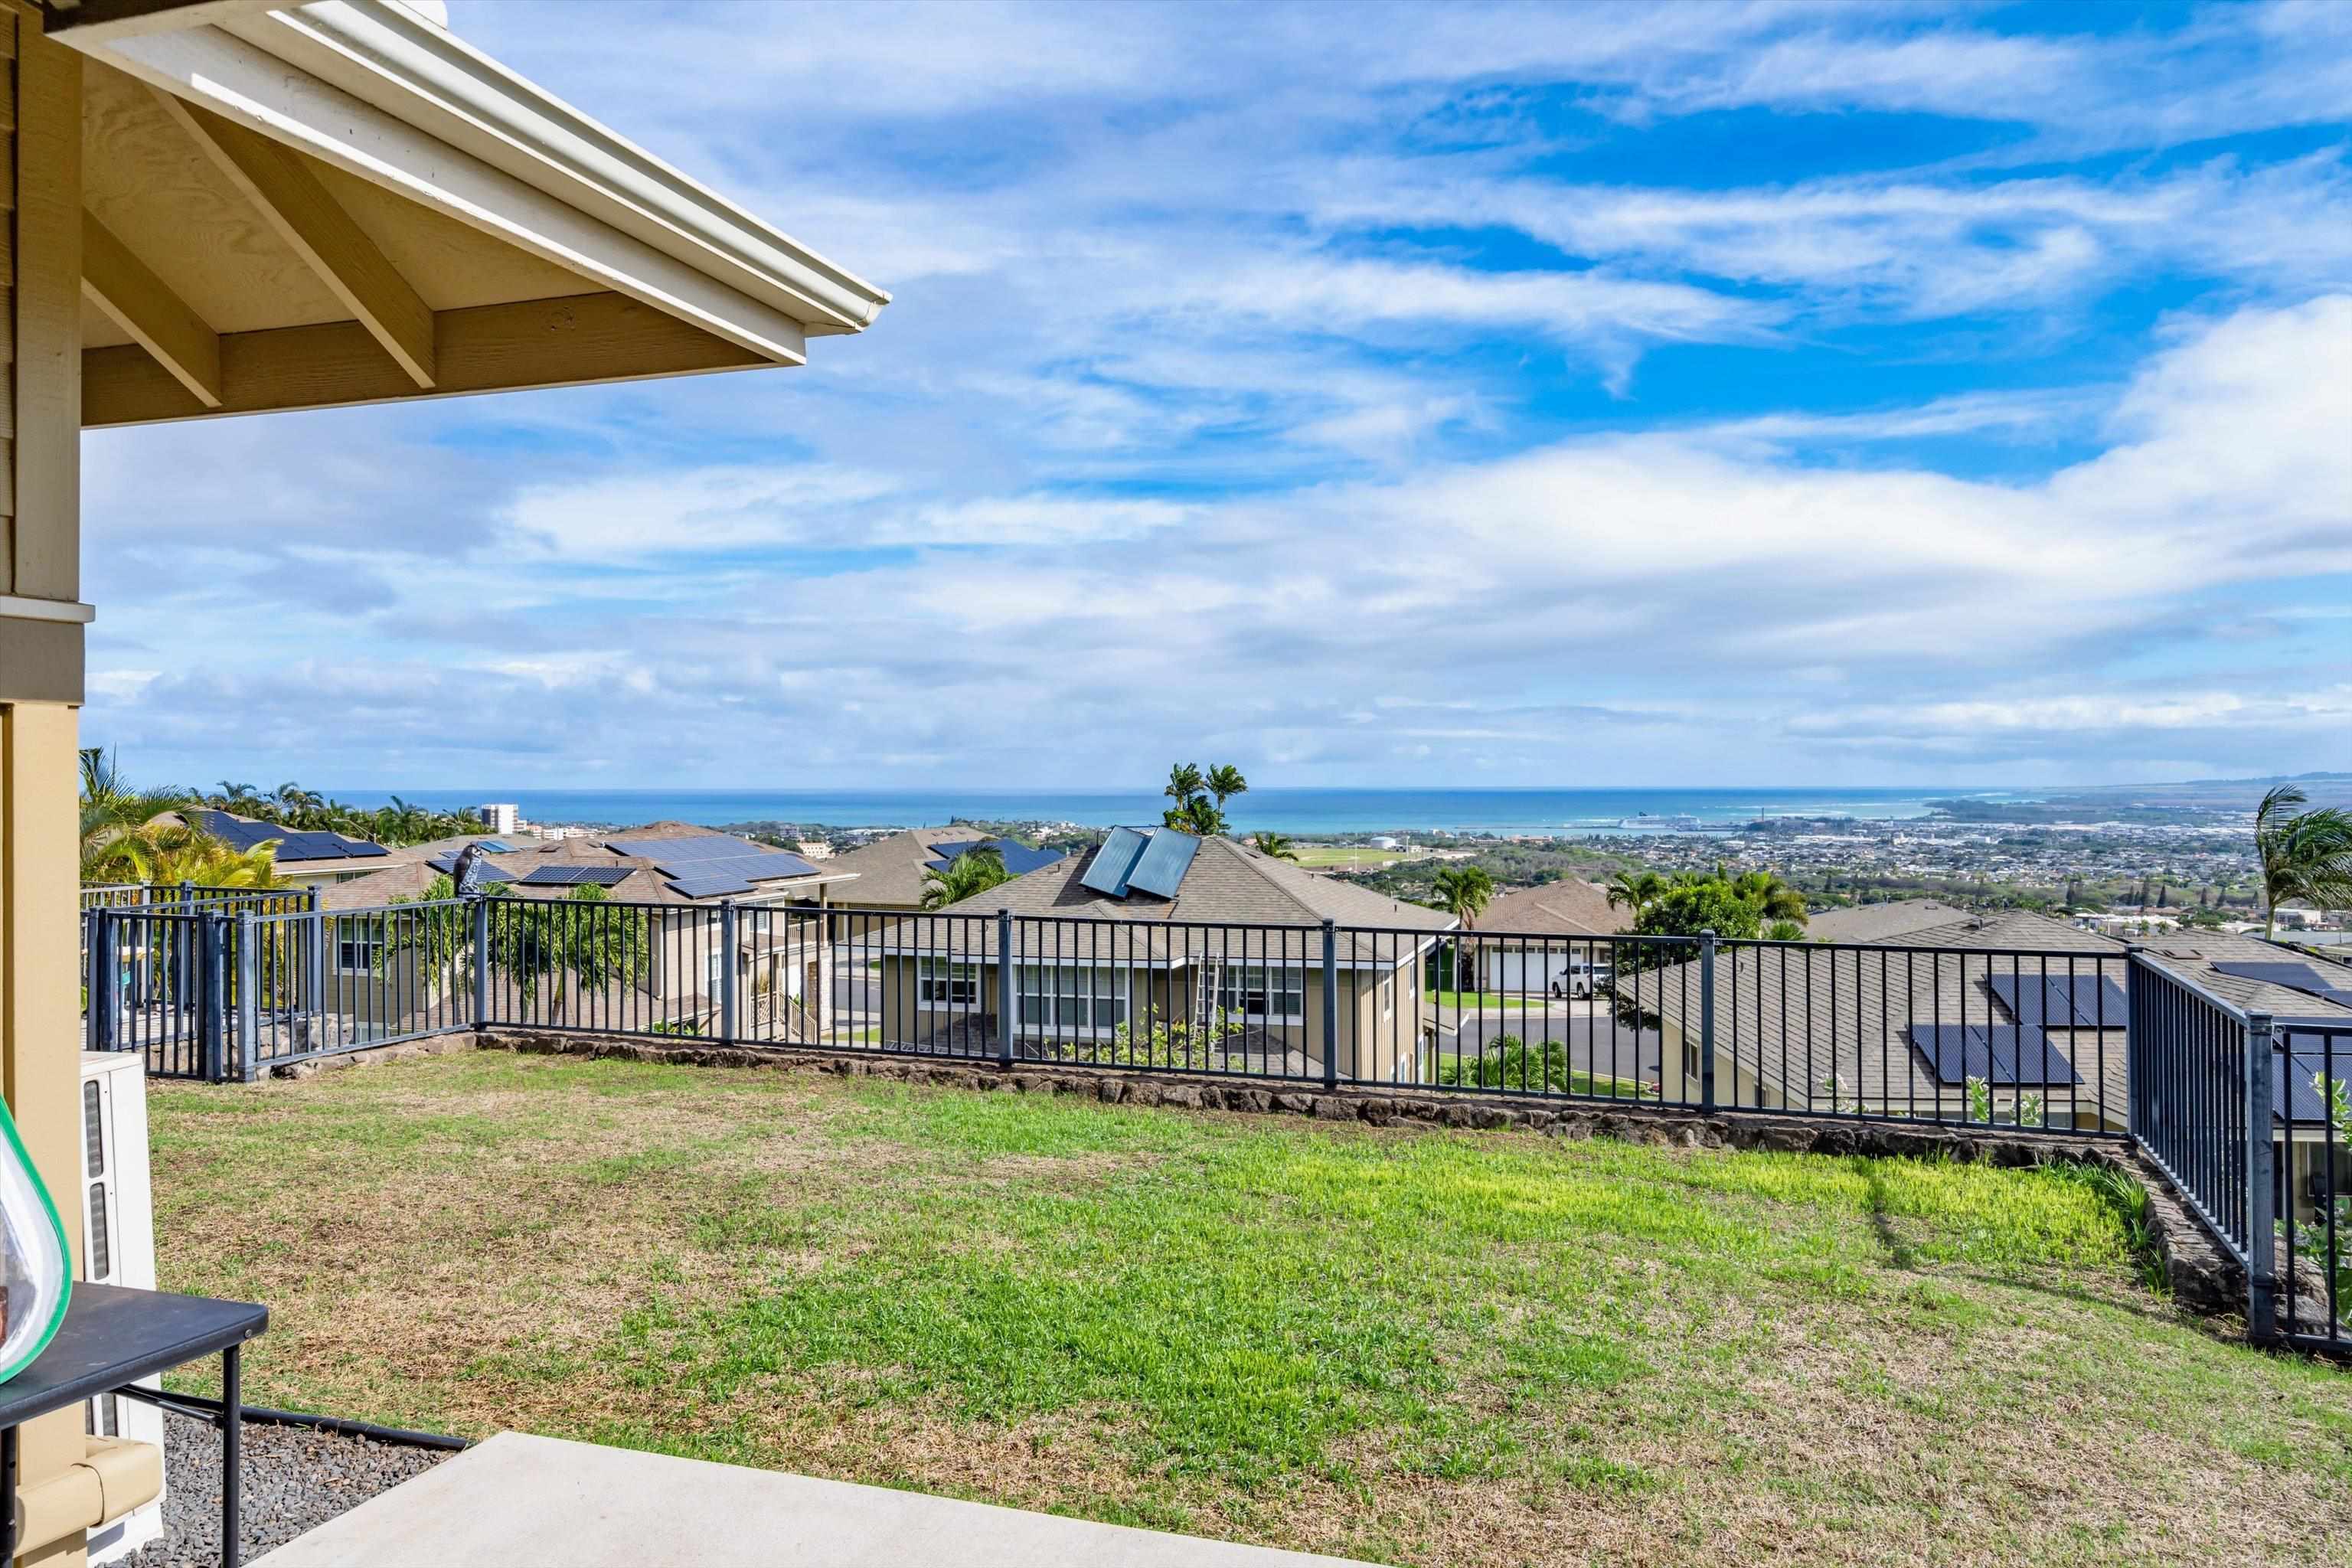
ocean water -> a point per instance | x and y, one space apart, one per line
1291 810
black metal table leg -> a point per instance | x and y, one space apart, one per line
8 1493
232 1454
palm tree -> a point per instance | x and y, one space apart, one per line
2306 856
967 875
1199 816
1635 890
1184 782
1224 781
1464 892
237 793
559 942
192 854
115 814
1275 847
1773 898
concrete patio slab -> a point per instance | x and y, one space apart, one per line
522 1499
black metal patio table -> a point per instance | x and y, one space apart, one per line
110 1338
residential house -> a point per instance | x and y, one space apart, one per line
308 858
1925 1012
2303 995
1545 940
890 871
687 885
1916 1009
1158 945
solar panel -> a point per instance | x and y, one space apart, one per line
2294 977
685 848
2004 1054
1114 859
577 876
2062 1001
1019 858
709 885
2310 1068
1160 868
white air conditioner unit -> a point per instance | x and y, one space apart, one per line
118 1247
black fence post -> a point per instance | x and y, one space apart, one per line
211 1016
248 999
478 922
2261 1196
103 979
730 948
1706 1020
1330 1004
1004 986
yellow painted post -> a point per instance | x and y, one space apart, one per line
41 661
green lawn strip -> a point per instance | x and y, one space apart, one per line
1409 1345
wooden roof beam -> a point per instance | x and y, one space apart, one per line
564 342
281 187
121 285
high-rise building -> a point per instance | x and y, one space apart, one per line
500 817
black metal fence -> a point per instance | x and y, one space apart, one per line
2251 1116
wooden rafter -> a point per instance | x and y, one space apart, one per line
290 197
159 320
486 348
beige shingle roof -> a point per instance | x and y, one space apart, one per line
1882 922
1227 885
1565 908
890 871
1800 1014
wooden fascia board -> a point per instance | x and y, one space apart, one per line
563 342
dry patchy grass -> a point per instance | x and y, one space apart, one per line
1417 1347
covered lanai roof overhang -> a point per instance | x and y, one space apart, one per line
346 203
214 207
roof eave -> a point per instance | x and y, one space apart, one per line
389 96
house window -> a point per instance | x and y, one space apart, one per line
359 955
714 974
1084 999
942 983
1388 996
1275 994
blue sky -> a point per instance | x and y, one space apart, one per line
1572 396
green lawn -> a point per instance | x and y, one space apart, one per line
1421 1347
1450 1000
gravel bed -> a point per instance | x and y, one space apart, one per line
295 1479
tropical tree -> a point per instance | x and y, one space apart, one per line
1184 782
439 935
560 943
1635 891
1198 817
1774 899
1705 905
1224 781
1200 797
115 816
2305 855
191 854
1464 892
1275 847
967 875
